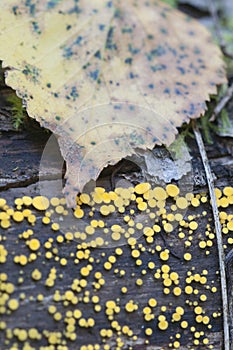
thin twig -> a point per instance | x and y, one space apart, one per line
214 14
222 103
218 230
228 263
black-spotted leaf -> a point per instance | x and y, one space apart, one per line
107 77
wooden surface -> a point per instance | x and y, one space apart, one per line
20 162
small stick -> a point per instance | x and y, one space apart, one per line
228 263
218 230
222 103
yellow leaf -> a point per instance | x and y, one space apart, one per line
107 76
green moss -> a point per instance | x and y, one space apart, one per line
18 111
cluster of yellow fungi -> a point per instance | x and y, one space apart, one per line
157 286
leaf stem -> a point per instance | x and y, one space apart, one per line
218 230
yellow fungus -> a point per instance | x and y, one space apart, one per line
168 227
31 218
161 205
203 280
176 317
52 309
167 282
174 276
188 289
193 225
60 239
91 322
89 230
18 216
104 210
18 201
107 265
112 259
130 306
135 253
40 297
99 190
172 190
198 310
34 244
46 220
181 202
59 209
85 198
125 193
176 344
142 206
142 188
116 236
203 297
101 223
118 202
170 217
2 202
63 261
163 325
187 256
69 236
148 331
228 191
164 255
85 271
5 223
180 310
205 320
152 302
202 244
55 201
159 193
139 282
195 202
184 324
36 275
205 341
78 213
4 216
40 203
13 304
152 203
151 265
55 226
116 228
165 268
119 251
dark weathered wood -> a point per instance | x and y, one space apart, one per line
20 160
35 314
